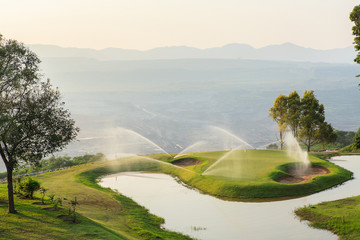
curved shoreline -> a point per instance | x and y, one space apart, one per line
257 190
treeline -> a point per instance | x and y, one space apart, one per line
355 145
343 139
54 163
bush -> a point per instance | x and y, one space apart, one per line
29 186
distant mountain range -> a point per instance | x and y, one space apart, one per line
282 52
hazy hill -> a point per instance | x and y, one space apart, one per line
283 52
173 102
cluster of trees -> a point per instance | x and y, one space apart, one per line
304 117
33 120
53 163
355 145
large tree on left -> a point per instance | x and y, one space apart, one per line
33 119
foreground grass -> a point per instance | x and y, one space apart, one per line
33 222
342 217
112 210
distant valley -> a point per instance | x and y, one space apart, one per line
174 102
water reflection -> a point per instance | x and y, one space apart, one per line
205 217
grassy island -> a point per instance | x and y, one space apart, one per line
251 175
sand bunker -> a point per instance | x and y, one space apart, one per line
184 162
301 176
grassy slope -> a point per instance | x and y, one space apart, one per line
105 214
341 217
114 211
32 222
350 149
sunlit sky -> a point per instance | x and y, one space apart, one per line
146 24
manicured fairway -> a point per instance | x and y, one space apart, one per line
250 175
246 164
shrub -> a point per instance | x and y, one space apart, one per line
29 186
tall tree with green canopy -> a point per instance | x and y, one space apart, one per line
294 112
325 134
355 18
312 116
279 114
33 120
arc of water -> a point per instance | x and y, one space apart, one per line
232 135
294 150
146 139
220 159
189 147
166 163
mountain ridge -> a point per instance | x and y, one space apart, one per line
279 52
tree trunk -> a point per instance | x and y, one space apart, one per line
10 190
308 145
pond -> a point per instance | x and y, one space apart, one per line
202 216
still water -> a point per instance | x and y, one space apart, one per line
205 217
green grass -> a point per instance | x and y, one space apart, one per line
250 175
104 213
342 217
109 215
352 148
33 222
246 165
110 209
261 168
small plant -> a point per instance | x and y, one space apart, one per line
57 202
72 209
51 198
17 182
42 191
29 186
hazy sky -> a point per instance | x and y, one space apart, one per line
145 24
